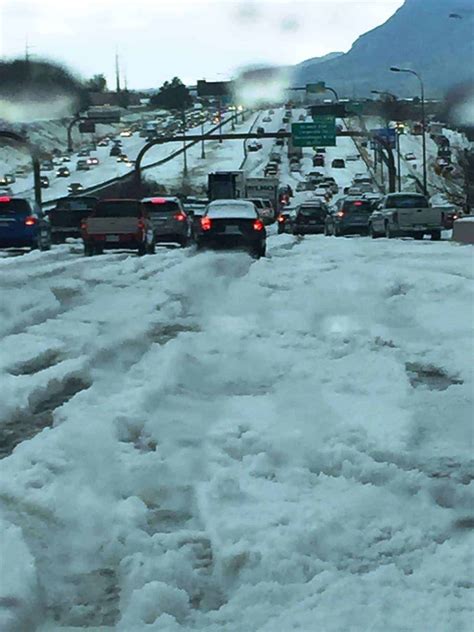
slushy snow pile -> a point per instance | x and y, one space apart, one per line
272 445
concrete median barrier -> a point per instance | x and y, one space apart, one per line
463 230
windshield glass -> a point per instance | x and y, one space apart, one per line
76 204
119 208
358 206
168 207
407 201
8 205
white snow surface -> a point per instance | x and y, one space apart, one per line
259 446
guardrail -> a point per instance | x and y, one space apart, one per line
107 183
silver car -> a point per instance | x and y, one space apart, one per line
169 219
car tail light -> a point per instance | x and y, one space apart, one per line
30 220
158 200
280 218
358 203
84 226
5 198
180 217
340 214
141 224
258 224
455 217
206 223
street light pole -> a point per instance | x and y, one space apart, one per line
185 158
423 120
203 151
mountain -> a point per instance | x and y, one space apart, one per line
420 36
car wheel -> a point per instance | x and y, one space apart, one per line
388 231
183 242
372 232
142 248
418 236
88 250
151 249
436 235
44 246
338 232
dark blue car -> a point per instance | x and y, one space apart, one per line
22 224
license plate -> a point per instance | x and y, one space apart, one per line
232 230
112 238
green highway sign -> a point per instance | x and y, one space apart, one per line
316 88
321 132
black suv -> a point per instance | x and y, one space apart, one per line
310 218
350 216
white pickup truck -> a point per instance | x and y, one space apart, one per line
406 215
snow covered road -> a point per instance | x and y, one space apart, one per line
239 445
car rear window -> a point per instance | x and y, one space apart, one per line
119 208
245 211
258 203
313 211
357 206
9 205
80 204
407 201
163 207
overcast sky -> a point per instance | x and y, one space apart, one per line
193 39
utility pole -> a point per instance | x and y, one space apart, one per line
203 151
185 157
220 119
117 73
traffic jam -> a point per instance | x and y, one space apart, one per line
311 201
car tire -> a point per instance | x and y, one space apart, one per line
258 252
183 242
436 235
338 232
388 231
88 250
45 247
142 249
372 232
151 248
418 236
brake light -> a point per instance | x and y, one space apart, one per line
141 224
5 198
340 214
258 224
158 200
84 227
358 203
206 223
180 217
30 220
280 218
455 217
